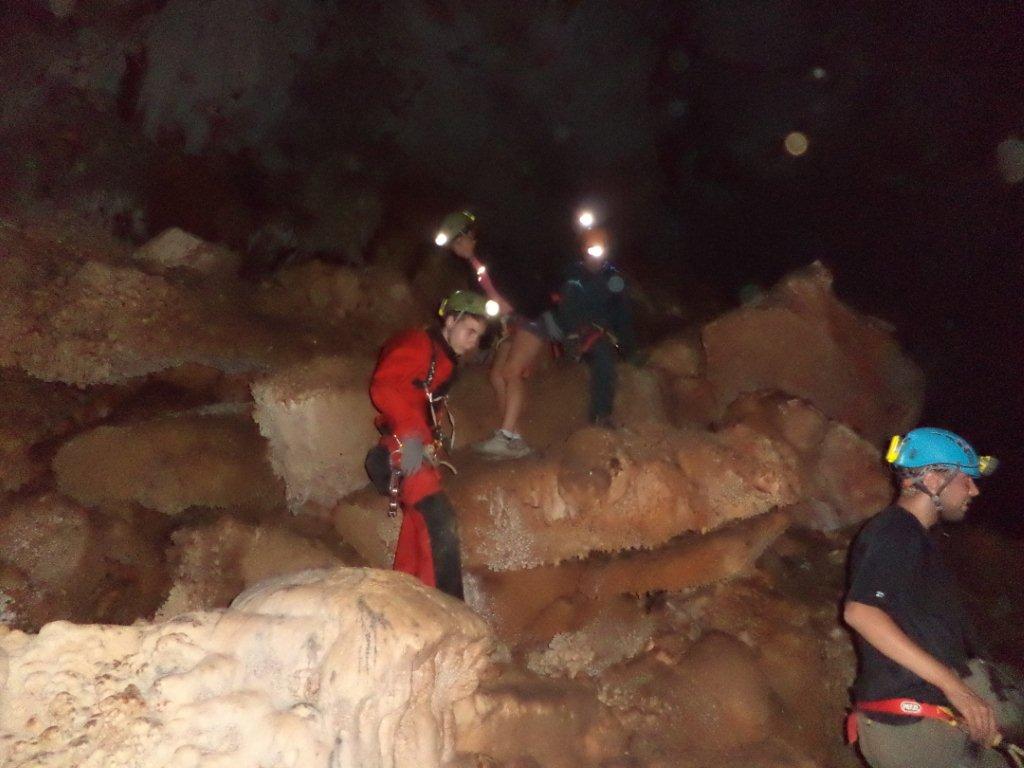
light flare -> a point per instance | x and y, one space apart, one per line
796 143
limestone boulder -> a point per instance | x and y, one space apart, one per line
539 604
523 720
802 340
33 412
213 563
638 398
362 522
50 559
176 250
368 304
346 668
619 632
602 491
678 357
715 692
81 312
318 422
606 491
844 477
170 464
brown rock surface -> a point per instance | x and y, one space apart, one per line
678 357
603 491
716 683
521 720
843 475
801 340
33 412
538 603
48 545
608 491
214 563
170 464
362 522
76 310
363 306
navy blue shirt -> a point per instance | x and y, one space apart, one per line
599 298
895 565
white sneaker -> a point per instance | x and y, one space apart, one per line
501 446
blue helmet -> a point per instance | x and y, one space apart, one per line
930 447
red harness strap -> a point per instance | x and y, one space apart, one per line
906 707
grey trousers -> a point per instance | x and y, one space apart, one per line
934 744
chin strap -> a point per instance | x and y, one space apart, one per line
919 485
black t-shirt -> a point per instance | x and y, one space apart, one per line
897 567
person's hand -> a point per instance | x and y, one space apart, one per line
977 714
412 455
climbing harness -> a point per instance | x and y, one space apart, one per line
912 708
395 478
442 442
905 707
580 343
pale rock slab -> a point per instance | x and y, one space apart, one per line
177 249
348 668
318 421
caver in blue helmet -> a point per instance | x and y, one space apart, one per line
926 447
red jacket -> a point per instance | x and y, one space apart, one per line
396 390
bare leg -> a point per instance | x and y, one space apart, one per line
496 376
524 350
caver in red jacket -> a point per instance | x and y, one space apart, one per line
428 545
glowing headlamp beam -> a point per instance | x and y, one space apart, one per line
595 251
586 219
441 239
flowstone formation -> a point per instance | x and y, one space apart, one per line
348 668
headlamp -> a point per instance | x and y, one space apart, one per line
894 449
492 308
595 251
586 219
441 239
